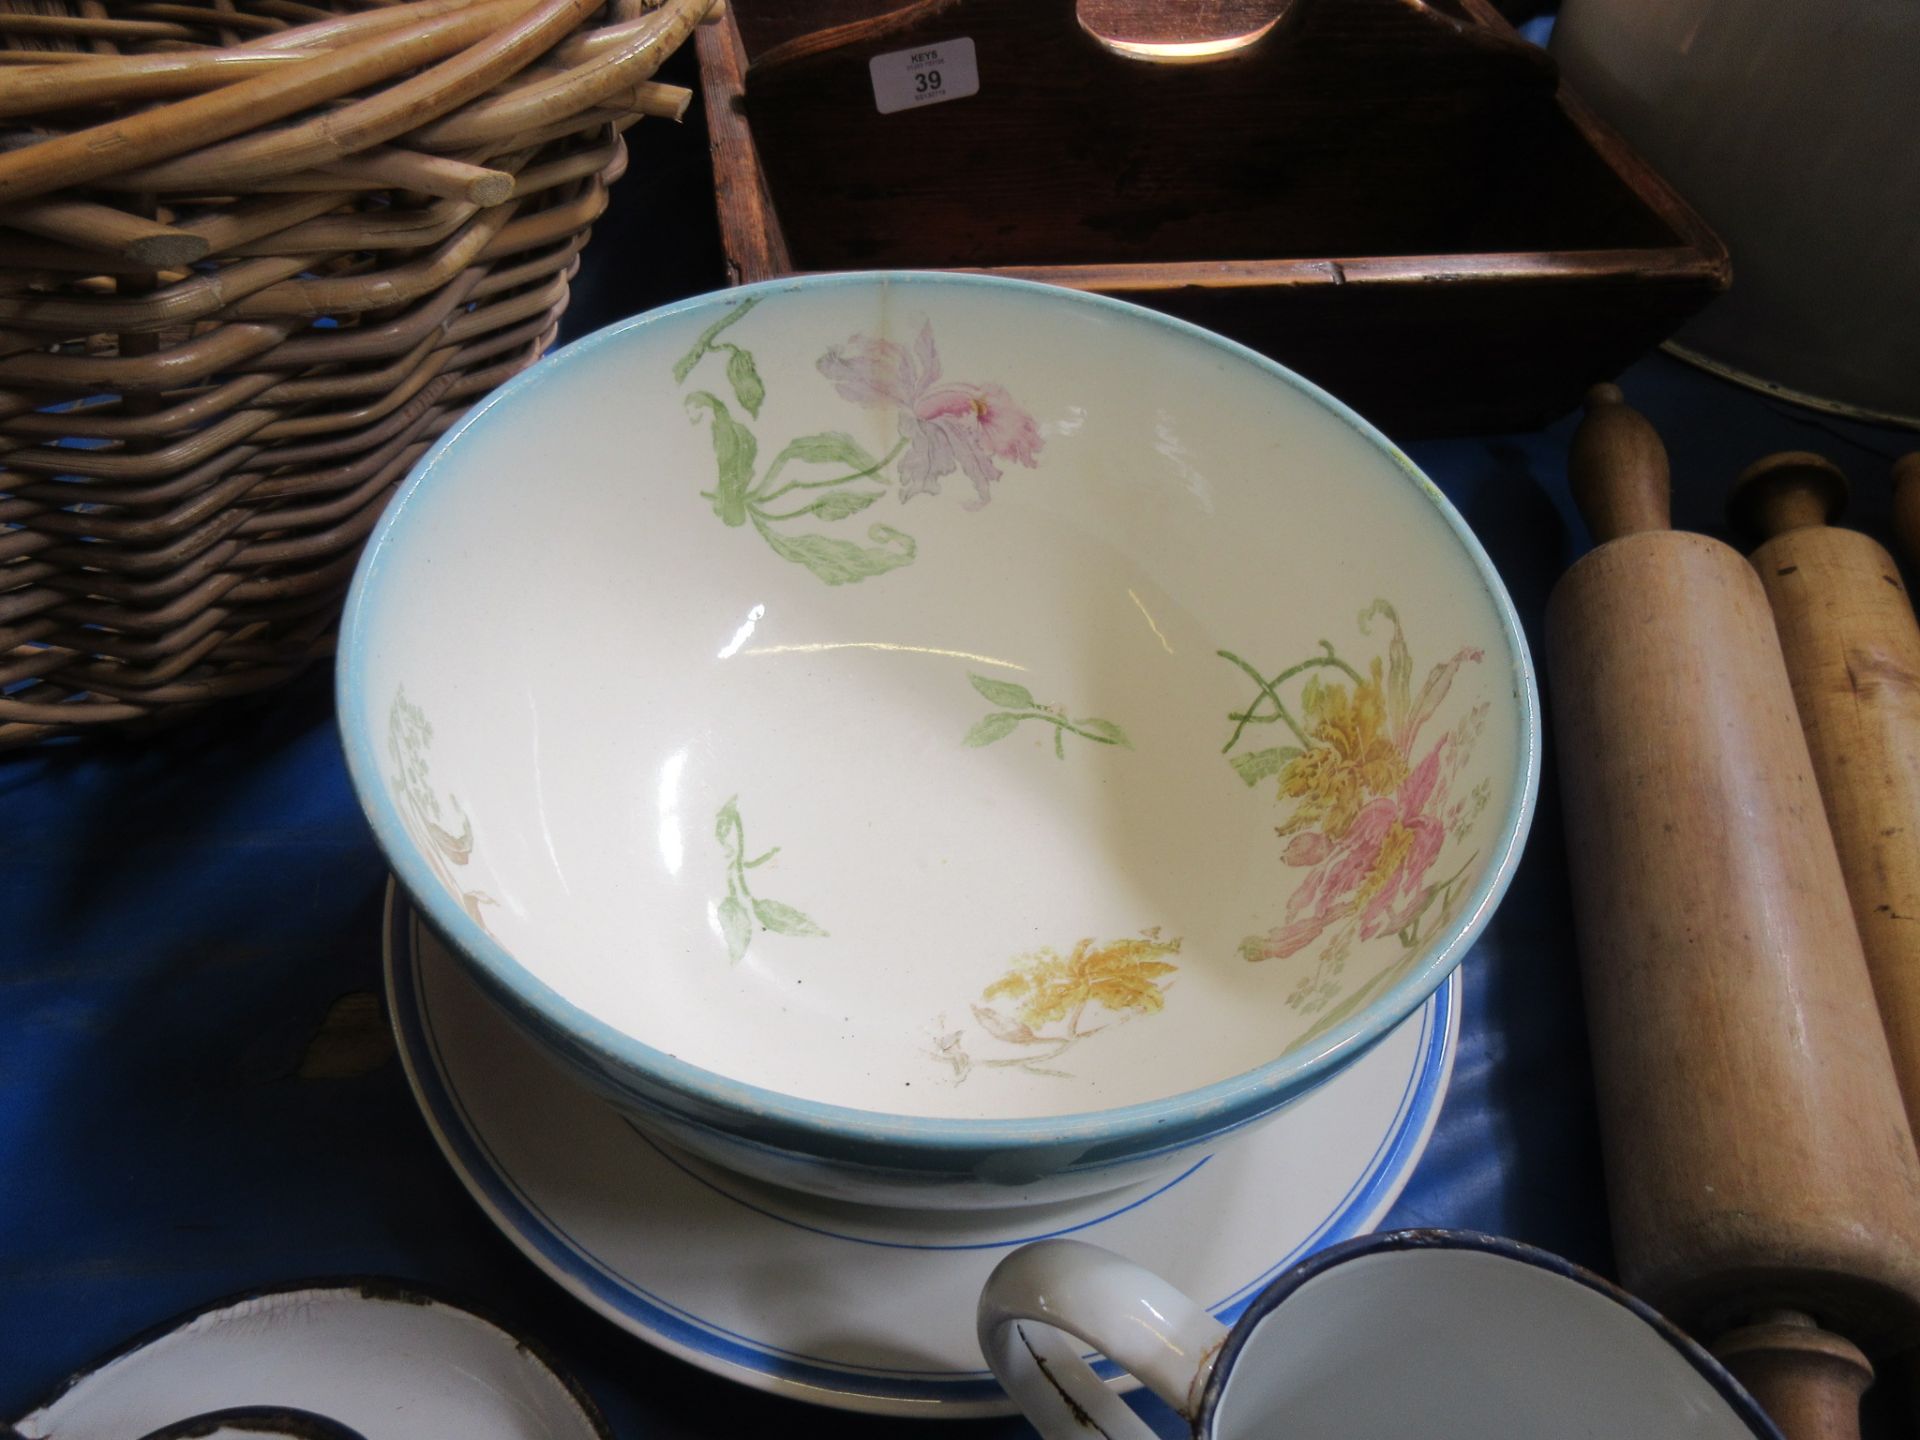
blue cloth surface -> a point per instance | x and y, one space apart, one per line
182 911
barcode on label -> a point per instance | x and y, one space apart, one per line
924 76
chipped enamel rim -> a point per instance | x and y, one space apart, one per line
1391 1241
368 1289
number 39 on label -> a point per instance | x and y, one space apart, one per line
925 75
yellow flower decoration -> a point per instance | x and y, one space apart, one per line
1395 846
1350 761
1122 976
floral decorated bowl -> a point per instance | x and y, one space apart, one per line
937 740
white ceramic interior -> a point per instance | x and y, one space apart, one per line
1459 1344
926 792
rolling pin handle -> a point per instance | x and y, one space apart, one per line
1619 469
1906 505
1789 491
1808 1380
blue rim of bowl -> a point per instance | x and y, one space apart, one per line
841 1131
545 1240
1389 1241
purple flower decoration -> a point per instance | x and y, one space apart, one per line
955 426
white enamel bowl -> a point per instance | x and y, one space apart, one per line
935 740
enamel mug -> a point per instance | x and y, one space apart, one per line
1445 1335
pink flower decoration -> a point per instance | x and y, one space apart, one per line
956 426
1309 847
1424 835
1376 869
1284 940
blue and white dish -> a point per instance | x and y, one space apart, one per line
937 740
852 1306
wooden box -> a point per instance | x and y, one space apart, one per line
1397 199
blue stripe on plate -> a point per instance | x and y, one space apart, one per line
714 1346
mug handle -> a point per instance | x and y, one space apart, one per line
1121 1309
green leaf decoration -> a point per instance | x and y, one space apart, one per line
1004 693
726 825
1105 731
738 912
830 447
737 926
1399 674
1332 1017
784 919
1017 704
735 449
990 728
683 367
1257 765
745 380
1399 662
839 504
841 562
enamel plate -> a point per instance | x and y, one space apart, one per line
347 1360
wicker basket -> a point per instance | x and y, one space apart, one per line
254 256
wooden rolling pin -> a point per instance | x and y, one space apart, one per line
1853 653
1906 505
1760 1171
